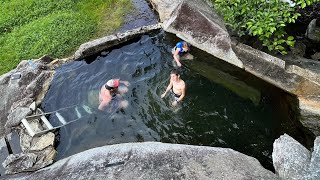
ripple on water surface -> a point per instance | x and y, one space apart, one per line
223 107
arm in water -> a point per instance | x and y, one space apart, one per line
176 56
168 89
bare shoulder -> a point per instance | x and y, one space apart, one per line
183 83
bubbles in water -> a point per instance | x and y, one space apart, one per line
235 126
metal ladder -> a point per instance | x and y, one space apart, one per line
41 116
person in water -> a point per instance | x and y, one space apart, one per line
181 51
176 86
110 90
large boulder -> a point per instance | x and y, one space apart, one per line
291 160
195 22
154 160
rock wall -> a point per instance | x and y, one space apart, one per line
19 88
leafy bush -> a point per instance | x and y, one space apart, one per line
32 28
264 19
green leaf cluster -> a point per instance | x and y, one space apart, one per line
32 28
265 19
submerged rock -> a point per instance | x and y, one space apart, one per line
153 160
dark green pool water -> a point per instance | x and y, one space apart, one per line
224 106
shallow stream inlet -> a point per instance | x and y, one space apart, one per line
224 106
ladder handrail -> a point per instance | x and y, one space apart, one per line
56 127
47 113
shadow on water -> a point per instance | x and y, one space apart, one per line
224 106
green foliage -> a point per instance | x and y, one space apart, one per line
264 19
32 28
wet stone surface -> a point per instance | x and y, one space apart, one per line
141 15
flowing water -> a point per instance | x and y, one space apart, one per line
224 106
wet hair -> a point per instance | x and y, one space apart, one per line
175 71
185 45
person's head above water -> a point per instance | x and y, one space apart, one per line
112 84
175 71
185 46
175 74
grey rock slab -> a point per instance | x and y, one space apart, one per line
31 161
154 160
4 153
165 8
39 143
290 158
314 169
25 102
16 163
98 45
16 116
293 161
14 142
245 52
37 85
25 141
313 31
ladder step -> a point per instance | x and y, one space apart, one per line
61 119
87 109
28 127
31 117
46 122
78 113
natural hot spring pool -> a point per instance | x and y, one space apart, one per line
224 106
